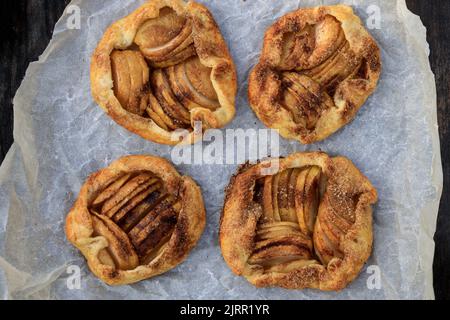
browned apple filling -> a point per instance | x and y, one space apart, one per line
315 61
291 232
162 78
137 217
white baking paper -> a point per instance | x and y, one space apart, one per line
61 136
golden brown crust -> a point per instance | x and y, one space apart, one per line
122 251
317 68
199 37
272 250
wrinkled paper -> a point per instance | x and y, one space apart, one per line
61 136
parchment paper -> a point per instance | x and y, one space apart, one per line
61 136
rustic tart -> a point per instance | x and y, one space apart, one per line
309 225
136 219
317 68
163 69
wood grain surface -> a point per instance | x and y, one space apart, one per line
27 27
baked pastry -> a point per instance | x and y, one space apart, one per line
163 68
136 219
307 225
317 68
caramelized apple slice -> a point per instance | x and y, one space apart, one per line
330 37
312 197
197 78
296 46
290 266
308 102
137 199
155 106
282 224
291 195
130 75
137 183
156 119
191 83
275 186
325 249
158 37
336 69
277 254
283 188
299 200
175 58
119 247
111 190
179 115
292 103
154 227
141 210
268 214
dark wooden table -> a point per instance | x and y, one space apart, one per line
27 27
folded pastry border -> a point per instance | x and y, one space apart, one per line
241 218
210 48
266 80
186 233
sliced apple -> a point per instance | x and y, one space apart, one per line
283 187
139 76
130 76
156 119
198 76
121 77
312 197
290 266
159 36
325 249
292 102
337 69
119 247
111 190
276 211
297 47
141 210
268 215
113 204
191 83
299 200
291 196
310 104
167 100
282 224
278 254
137 199
174 59
154 227
299 241
155 106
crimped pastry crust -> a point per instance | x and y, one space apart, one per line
317 68
109 251
249 246
206 42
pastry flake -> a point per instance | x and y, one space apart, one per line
163 68
317 68
307 226
136 219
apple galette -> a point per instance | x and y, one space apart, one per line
306 225
136 219
165 67
317 68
